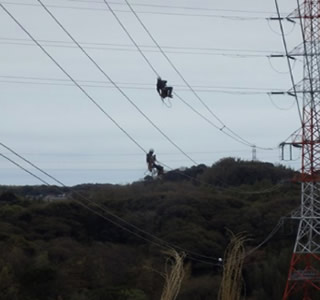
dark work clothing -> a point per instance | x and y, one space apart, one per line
164 90
161 84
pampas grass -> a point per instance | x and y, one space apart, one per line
231 283
173 275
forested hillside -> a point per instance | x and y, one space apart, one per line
70 243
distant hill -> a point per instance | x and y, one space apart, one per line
102 241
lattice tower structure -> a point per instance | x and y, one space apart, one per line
304 272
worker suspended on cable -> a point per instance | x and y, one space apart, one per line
151 161
164 90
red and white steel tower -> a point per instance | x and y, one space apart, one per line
304 273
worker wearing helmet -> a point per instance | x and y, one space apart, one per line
151 161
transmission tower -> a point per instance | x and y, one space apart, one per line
254 153
304 272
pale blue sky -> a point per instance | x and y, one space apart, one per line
49 121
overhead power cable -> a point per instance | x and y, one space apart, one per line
76 42
114 84
174 67
170 13
177 7
125 154
210 122
24 169
122 48
295 133
288 60
233 52
127 226
83 204
163 53
122 223
74 81
265 191
269 237
238 138
223 127
86 93
306 57
278 107
132 85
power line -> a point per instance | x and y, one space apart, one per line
223 126
148 47
209 121
307 63
96 161
122 26
228 189
288 60
24 169
269 237
81 203
114 84
238 138
174 67
226 17
176 7
133 85
75 82
166 57
116 219
131 153
277 106
233 135
237 93
113 48
151 238
91 98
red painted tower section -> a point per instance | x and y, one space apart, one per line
304 273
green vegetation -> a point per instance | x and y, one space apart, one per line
53 248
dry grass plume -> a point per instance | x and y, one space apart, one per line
173 275
231 283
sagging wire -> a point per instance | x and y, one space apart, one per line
281 72
278 107
279 33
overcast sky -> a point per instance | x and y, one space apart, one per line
220 48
